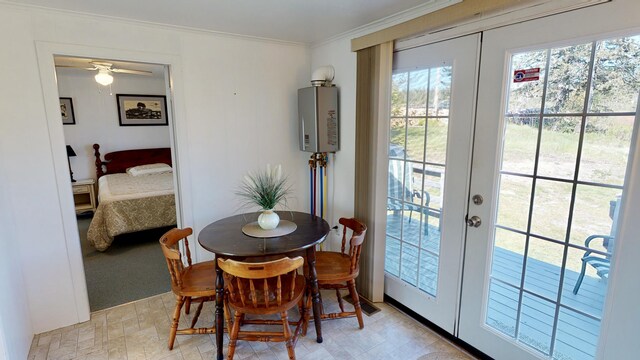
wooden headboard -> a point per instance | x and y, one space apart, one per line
120 161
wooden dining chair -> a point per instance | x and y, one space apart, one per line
338 270
190 282
264 288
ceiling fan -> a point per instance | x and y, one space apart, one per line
104 69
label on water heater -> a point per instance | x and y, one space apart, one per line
332 128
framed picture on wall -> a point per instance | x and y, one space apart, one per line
142 110
66 110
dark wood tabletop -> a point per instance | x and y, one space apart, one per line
226 239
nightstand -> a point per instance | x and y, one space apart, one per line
84 195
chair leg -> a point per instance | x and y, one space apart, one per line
197 314
580 277
356 301
287 335
187 305
227 314
307 313
339 300
174 323
233 334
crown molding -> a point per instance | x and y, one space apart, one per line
398 18
148 24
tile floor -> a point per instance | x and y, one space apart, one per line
139 331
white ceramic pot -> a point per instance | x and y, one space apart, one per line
268 220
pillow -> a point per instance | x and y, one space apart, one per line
149 169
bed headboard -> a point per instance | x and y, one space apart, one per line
120 161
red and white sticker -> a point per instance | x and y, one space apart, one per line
526 75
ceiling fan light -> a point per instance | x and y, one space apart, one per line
103 77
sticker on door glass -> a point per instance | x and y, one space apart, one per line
526 75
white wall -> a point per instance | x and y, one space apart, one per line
341 172
15 322
239 111
96 114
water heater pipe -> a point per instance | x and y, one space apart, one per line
323 76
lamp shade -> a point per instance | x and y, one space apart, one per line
103 77
70 151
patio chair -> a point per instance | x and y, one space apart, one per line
400 191
601 263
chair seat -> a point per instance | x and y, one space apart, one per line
198 280
601 265
333 266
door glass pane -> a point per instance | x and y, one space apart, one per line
559 146
616 65
551 209
536 322
399 94
577 335
520 135
559 193
606 149
439 91
514 200
508 255
502 313
415 139
526 97
437 130
417 164
568 73
418 87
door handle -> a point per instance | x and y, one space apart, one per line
474 221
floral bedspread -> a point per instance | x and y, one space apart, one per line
129 204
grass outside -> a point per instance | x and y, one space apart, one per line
604 156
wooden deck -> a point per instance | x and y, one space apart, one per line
577 331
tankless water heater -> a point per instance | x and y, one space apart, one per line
318 119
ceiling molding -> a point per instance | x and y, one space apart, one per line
401 17
148 24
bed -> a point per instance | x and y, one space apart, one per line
128 201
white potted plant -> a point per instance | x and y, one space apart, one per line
266 189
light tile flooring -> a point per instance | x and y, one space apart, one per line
140 330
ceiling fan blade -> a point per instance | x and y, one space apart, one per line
76 67
135 72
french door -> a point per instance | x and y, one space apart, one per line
552 134
554 128
430 133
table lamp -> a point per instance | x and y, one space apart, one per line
70 153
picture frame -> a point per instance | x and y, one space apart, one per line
142 110
66 111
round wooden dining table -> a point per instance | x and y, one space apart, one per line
226 239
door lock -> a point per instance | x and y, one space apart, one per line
474 221
477 199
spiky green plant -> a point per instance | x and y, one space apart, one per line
265 189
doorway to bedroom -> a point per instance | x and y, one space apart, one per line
118 140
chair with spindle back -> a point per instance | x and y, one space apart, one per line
338 270
264 288
190 283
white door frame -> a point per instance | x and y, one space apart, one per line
178 138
